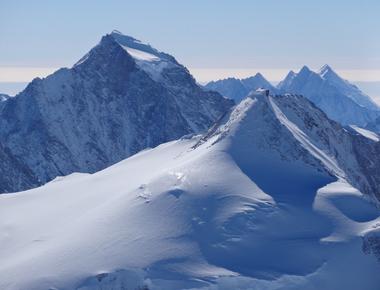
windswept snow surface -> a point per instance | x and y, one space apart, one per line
253 204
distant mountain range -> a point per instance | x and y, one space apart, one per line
238 89
339 99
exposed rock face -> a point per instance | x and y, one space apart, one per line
14 174
374 125
122 97
371 243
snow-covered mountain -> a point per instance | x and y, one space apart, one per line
342 101
237 89
263 200
348 89
121 97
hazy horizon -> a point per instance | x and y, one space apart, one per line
231 39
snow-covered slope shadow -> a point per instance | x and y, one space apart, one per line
268 153
192 214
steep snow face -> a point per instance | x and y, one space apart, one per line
113 103
283 217
237 89
342 101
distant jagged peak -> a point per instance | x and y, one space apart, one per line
305 70
259 76
138 50
291 74
287 80
325 69
326 72
332 93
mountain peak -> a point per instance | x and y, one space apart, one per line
291 74
143 55
259 75
325 67
326 71
286 82
122 38
304 69
139 50
116 32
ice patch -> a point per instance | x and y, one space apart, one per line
366 133
140 55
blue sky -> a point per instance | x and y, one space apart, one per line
213 38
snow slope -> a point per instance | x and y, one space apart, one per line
255 203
